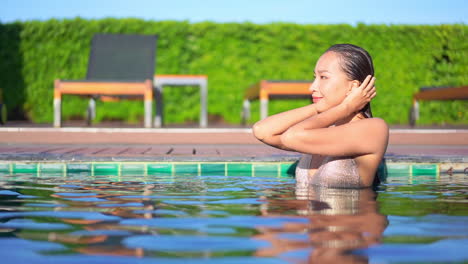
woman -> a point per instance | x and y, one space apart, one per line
342 143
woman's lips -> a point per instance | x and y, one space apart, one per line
316 99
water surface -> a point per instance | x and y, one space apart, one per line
217 219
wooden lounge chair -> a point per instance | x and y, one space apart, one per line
273 89
436 93
119 66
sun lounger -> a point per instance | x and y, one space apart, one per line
273 89
120 66
436 93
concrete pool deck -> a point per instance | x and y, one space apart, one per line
210 144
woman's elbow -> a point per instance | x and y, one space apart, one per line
259 131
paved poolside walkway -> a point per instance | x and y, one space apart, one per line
212 144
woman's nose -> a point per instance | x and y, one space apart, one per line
313 87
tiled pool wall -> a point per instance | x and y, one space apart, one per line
206 168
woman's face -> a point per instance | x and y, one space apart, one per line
331 82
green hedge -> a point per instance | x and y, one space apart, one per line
234 56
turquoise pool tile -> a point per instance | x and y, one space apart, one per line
239 169
106 168
288 169
265 169
5 167
24 167
52 167
425 169
130 168
159 167
244 167
79 167
239 173
191 168
395 169
208 169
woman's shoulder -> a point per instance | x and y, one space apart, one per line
375 128
379 123
374 123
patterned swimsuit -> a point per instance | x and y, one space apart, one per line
335 172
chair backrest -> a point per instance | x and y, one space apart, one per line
119 57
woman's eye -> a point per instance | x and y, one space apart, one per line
323 77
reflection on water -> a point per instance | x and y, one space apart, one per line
218 219
339 221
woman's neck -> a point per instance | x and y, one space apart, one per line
351 118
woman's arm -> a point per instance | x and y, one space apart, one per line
368 136
314 136
270 129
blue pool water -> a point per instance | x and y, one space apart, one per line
79 218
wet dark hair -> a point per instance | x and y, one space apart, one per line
357 64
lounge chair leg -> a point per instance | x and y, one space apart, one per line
414 113
91 113
148 99
148 113
57 112
263 108
203 105
158 119
245 111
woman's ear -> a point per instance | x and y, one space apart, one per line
353 84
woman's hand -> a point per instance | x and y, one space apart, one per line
360 96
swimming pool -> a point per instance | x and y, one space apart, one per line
180 217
